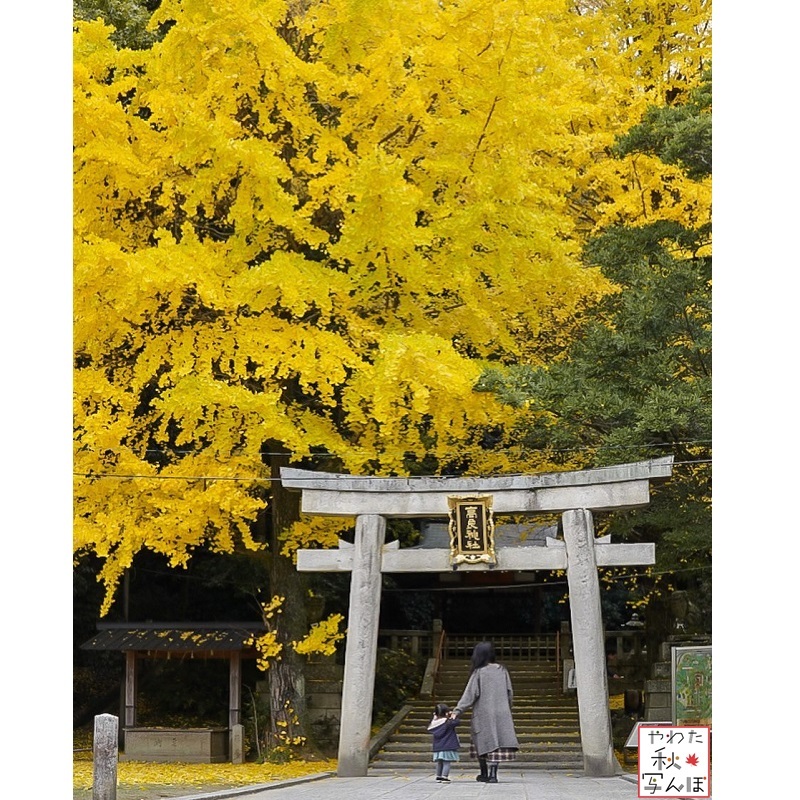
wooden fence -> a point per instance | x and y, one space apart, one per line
627 646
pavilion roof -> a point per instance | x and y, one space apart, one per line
186 637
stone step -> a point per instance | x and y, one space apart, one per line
325 672
520 689
533 723
542 766
526 701
541 682
406 759
546 759
535 716
521 670
521 696
542 724
531 732
462 677
542 686
521 663
521 724
324 686
572 754
521 706
553 733
535 727
426 759
546 721
554 744
545 687
466 661
531 712
535 711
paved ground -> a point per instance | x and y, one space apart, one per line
512 785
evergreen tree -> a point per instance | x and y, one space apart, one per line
636 383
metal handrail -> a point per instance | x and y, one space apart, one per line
440 651
558 652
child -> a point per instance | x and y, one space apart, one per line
445 740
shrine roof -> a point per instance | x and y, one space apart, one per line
173 636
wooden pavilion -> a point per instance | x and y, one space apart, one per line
138 641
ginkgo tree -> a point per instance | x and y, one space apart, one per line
302 230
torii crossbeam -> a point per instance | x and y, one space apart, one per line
573 494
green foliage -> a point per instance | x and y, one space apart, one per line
130 18
96 687
404 530
303 227
398 676
255 718
679 135
636 383
402 608
184 692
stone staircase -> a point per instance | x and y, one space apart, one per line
546 721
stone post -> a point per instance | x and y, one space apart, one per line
104 757
129 720
361 651
237 744
588 645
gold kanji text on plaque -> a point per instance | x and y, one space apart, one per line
471 530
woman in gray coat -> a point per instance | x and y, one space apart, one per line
489 694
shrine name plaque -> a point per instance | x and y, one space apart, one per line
471 530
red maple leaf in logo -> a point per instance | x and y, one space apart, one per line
692 760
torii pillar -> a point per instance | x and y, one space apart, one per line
574 494
361 651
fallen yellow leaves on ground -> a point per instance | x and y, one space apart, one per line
138 773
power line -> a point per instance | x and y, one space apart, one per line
515 448
322 475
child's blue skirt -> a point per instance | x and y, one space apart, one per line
445 755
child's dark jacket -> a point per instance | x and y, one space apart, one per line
444 734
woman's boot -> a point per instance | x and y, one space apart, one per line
492 773
484 776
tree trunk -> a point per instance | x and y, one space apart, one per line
286 679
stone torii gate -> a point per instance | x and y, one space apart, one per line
576 495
